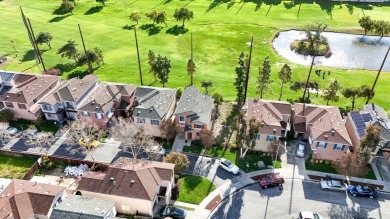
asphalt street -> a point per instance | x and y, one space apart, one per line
256 203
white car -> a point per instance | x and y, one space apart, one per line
333 185
301 149
11 130
309 215
228 166
156 149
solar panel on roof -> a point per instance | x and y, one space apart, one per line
354 113
366 117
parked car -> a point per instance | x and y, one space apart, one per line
156 149
274 179
11 130
32 132
301 149
333 185
363 191
228 166
309 215
173 212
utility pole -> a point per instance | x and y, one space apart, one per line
139 61
90 70
377 75
36 46
247 71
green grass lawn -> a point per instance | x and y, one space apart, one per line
40 125
221 30
14 167
194 148
193 189
326 168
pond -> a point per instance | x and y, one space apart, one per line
348 50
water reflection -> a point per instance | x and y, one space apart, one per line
348 50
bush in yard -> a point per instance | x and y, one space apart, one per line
327 162
6 115
179 159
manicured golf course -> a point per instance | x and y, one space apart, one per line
221 30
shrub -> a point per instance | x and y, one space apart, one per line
327 162
52 71
6 115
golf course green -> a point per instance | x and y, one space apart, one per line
221 30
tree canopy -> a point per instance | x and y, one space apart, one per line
354 93
179 159
6 115
285 77
366 23
240 80
69 50
135 16
183 14
207 84
370 140
157 17
264 78
331 92
67 6
191 67
44 37
162 68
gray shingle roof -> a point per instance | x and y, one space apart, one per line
153 103
6 76
82 207
193 101
380 118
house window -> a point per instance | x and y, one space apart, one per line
197 126
21 106
321 144
85 114
9 104
98 115
47 108
258 136
339 147
155 122
181 119
271 138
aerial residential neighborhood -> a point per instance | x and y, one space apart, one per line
219 109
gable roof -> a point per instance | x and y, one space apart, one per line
83 207
200 104
325 123
130 178
153 102
6 76
23 199
273 115
26 87
103 97
70 90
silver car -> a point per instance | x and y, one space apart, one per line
333 185
301 149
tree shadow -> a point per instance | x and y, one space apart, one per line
59 11
152 29
350 8
128 27
58 18
65 67
167 1
28 56
338 211
216 3
78 73
93 10
192 182
177 30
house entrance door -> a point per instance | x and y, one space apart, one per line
189 135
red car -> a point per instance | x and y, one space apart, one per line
273 179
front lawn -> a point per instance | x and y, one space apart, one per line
193 148
249 162
40 125
15 167
193 189
321 167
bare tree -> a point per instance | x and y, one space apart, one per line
42 140
85 133
5 135
351 164
275 149
207 138
134 137
168 129
246 135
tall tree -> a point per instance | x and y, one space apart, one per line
264 78
248 132
366 92
354 93
351 164
135 16
179 159
191 69
157 17
239 82
285 77
275 149
206 85
69 50
152 64
44 37
381 27
135 137
235 126
366 23
168 129
103 2
331 92
183 14
163 68
207 138
152 15
370 140
95 56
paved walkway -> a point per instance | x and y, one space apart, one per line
179 142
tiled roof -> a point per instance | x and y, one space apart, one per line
102 99
152 102
131 178
23 199
200 104
71 90
75 206
325 122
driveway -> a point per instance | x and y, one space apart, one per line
207 167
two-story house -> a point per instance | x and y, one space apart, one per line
25 199
62 103
21 93
274 118
108 98
356 124
325 129
194 113
136 186
153 105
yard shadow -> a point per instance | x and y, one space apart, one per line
191 181
72 151
78 73
152 29
58 18
59 11
216 3
128 27
28 56
311 192
93 10
167 1
65 67
340 211
177 30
